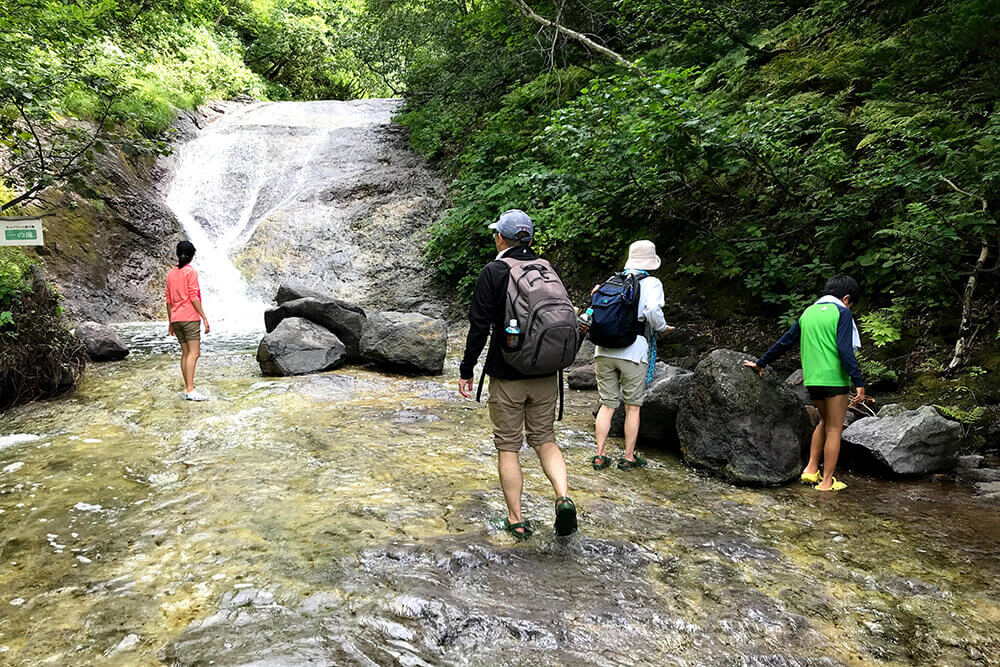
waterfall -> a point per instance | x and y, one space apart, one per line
273 187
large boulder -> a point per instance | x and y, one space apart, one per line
405 342
796 382
582 377
585 355
915 442
658 415
746 429
340 317
101 342
291 291
299 347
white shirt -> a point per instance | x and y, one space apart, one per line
651 302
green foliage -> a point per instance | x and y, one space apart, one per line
885 326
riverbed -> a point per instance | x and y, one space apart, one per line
343 518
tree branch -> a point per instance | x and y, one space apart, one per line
578 36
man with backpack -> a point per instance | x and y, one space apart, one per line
624 308
521 299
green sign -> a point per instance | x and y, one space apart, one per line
20 234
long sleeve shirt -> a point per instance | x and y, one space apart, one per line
826 345
486 314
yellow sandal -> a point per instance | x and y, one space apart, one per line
811 477
836 486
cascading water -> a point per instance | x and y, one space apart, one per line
275 191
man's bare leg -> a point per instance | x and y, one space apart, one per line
818 440
631 430
554 466
603 427
512 483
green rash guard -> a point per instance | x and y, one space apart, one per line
825 336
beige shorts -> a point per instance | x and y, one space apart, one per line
523 407
186 331
620 378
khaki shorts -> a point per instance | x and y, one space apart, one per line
186 331
519 407
617 378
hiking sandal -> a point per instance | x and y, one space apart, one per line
626 465
566 523
602 464
512 528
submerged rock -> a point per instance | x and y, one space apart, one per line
406 342
101 342
298 347
916 442
741 427
344 319
658 416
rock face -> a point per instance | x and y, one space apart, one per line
406 342
340 317
298 347
796 382
582 377
101 342
658 416
916 442
740 427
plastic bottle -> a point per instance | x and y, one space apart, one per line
586 319
513 335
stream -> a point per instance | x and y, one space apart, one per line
343 518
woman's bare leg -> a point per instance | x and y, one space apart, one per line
194 351
836 410
185 351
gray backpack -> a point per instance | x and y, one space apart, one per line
538 300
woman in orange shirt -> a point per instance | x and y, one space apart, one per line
185 314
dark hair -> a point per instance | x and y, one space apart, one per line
185 253
841 286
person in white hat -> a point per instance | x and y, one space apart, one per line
622 372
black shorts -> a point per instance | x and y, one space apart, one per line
821 393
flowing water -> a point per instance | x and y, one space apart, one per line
343 518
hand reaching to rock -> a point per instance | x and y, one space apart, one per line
759 369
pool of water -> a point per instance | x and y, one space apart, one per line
343 518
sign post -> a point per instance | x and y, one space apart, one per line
21 232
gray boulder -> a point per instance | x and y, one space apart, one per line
101 342
291 291
299 347
892 410
796 382
585 355
916 442
658 415
582 377
743 428
405 342
344 319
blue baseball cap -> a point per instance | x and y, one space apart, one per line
515 225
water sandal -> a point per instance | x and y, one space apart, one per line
512 528
600 462
565 517
811 477
625 464
837 486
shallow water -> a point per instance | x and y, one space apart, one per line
342 518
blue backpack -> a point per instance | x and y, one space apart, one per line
616 311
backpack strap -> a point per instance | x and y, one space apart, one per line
562 397
482 379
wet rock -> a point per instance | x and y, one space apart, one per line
658 415
987 488
101 342
796 382
344 319
915 442
127 643
970 461
582 377
746 429
979 474
892 410
405 342
408 416
298 347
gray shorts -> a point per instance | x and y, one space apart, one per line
617 378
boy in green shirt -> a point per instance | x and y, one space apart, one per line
827 337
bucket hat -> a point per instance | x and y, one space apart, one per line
642 256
